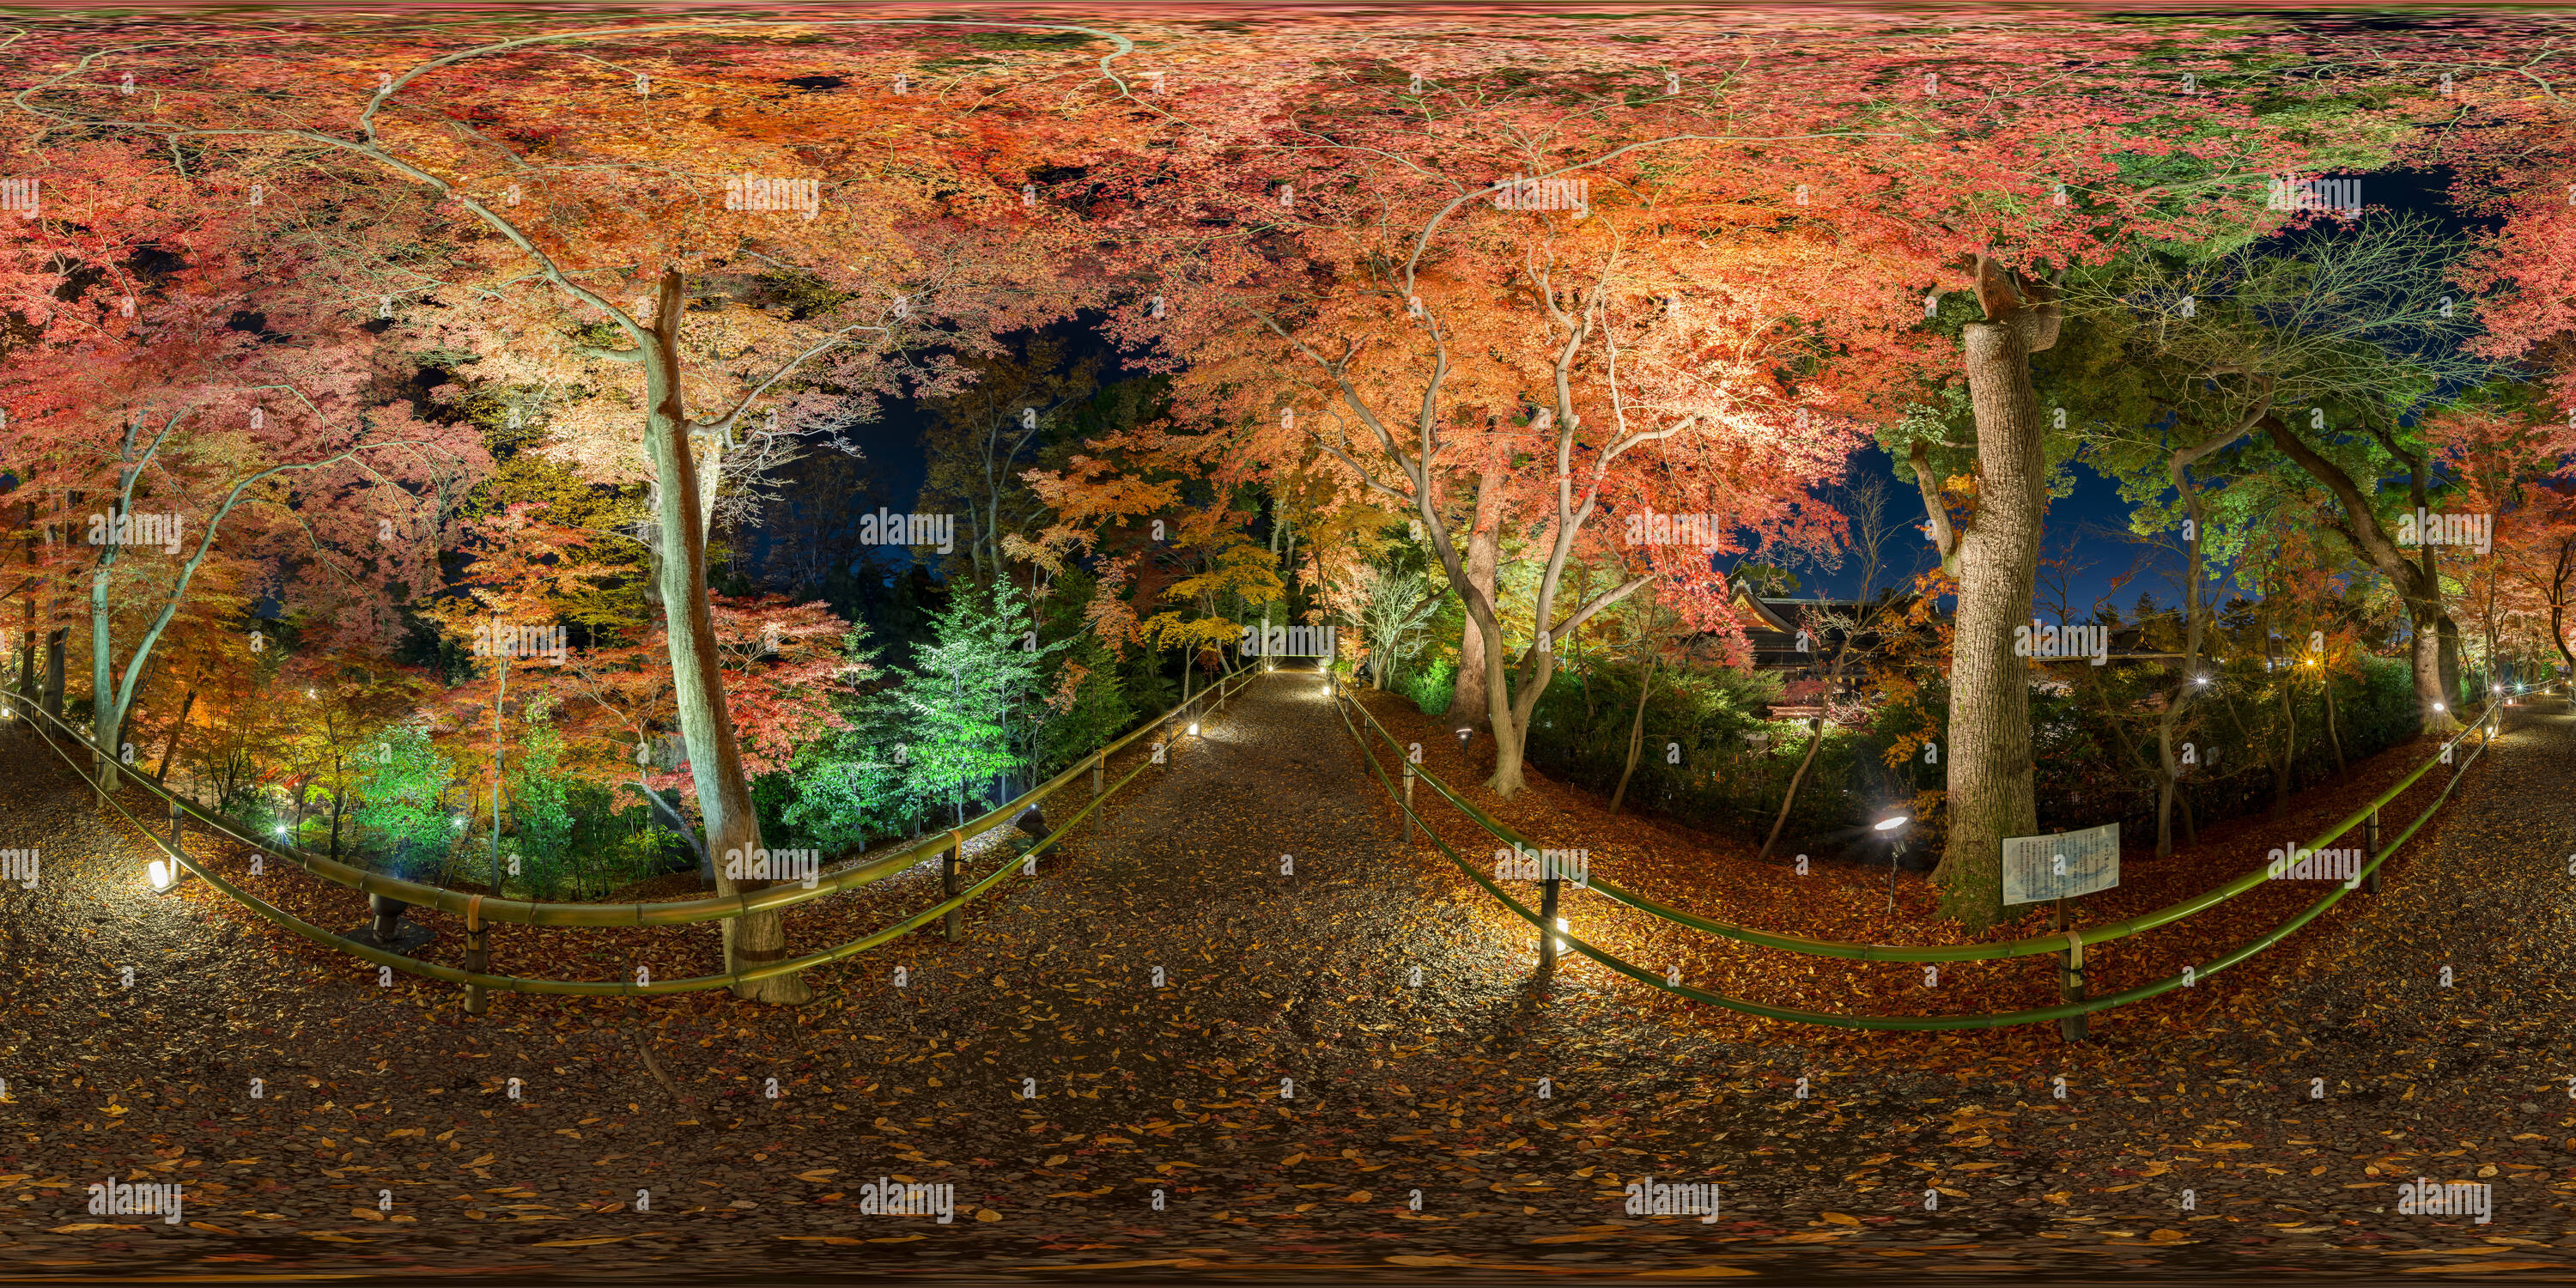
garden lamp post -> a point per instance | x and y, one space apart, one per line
1892 829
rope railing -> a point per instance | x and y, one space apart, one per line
1891 952
479 907
677 912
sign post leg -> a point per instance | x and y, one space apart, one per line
2070 979
2370 850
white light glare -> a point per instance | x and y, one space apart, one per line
159 873
1891 824
1194 728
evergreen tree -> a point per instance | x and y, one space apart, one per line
855 783
979 672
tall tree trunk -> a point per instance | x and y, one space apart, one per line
715 763
27 617
2446 642
1636 736
2289 751
1991 789
1815 741
500 697
54 671
2557 601
1468 703
2415 583
2333 738
170 744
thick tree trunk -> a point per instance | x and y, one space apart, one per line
1991 793
715 764
1636 737
1468 703
2446 640
2425 659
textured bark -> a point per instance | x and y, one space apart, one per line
1468 702
1991 793
732 825
1636 737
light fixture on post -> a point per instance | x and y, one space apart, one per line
1194 728
1892 830
158 872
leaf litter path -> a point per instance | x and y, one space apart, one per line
1287 1086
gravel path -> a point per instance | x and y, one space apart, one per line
1285 1082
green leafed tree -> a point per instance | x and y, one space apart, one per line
856 782
404 798
965 689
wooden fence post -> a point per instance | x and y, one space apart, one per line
477 958
1408 803
948 883
2070 975
2370 848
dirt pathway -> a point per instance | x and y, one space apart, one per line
1213 996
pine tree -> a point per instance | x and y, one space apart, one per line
963 690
